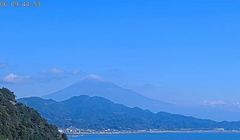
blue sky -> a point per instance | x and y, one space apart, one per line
179 51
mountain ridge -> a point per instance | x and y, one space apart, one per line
98 113
111 91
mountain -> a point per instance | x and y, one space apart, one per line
97 87
98 113
18 122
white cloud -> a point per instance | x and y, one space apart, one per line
14 78
54 71
76 72
214 102
51 74
93 76
221 103
2 65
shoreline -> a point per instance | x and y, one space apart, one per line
151 132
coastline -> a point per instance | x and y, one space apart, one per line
147 132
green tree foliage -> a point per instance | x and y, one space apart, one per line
18 122
98 113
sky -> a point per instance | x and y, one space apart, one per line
184 51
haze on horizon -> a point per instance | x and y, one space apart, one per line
184 52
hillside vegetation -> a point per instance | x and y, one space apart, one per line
18 122
98 113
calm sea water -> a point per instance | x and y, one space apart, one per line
163 136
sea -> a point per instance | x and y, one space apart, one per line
161 136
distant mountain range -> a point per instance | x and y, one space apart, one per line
97 87
93 86
98 113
